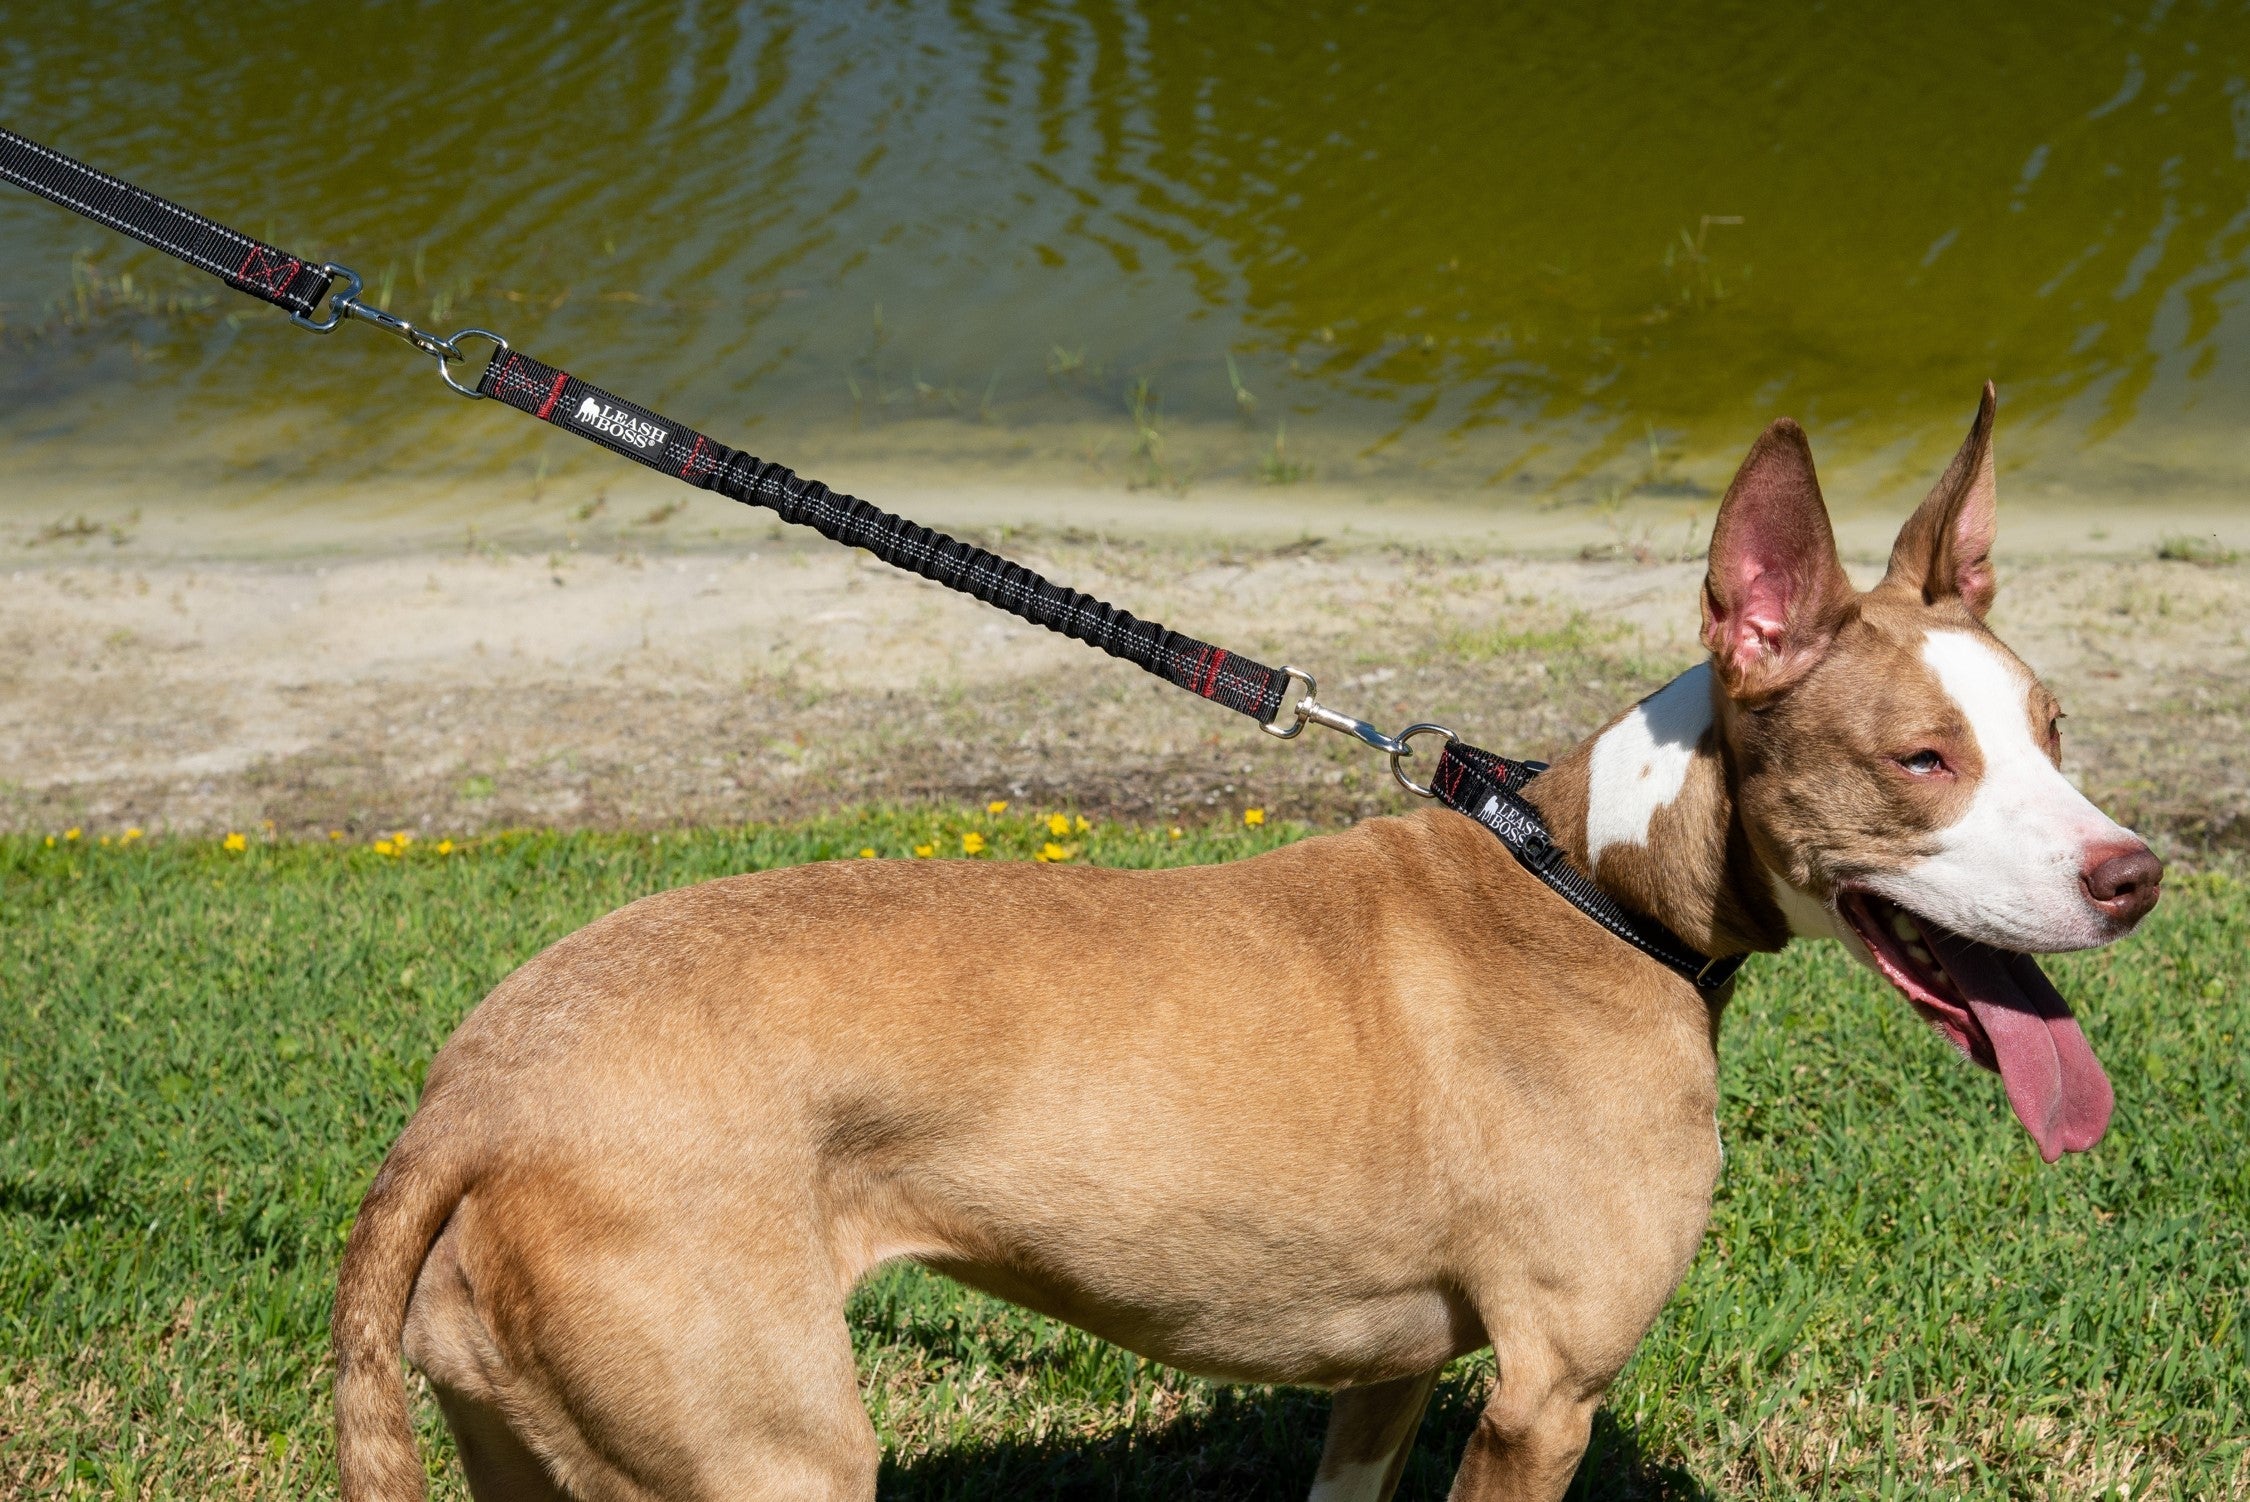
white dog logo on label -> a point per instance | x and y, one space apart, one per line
603 418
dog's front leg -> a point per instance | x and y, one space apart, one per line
1528 1441
1370 1431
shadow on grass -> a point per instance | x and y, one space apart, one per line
1255 1446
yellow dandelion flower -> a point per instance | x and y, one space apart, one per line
50 842
383 847
867 853
925 851
235 842
1081 824
1058 824
445 847
1052 852
972 842
131 834
335 834
402 839
71 833
1253 817
997 806
1177 831
105 840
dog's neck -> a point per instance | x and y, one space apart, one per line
1647 806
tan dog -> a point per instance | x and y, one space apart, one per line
1336 1115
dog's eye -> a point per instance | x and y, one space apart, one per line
1923 763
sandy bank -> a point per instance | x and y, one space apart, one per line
176 675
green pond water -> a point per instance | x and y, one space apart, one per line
1539 254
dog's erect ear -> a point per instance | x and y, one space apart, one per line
1775 590
1945 548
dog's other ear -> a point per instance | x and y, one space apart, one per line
1775 589
1945 548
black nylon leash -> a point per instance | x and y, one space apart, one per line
244 264
555 396
1484 786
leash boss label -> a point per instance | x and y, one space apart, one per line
597 416
1503 820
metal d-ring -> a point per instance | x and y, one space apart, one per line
499 347
345 305
340 304
1297 728
1406 749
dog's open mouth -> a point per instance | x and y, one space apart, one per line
2000 1009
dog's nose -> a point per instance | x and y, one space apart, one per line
2123 882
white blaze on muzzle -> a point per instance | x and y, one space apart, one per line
2009 870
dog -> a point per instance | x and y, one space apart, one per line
1334 1116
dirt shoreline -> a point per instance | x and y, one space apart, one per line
607 679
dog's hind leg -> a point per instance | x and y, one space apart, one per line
661 1360
498 1466
1370 1432
451 1346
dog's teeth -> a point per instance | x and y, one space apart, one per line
1904 927
1919 953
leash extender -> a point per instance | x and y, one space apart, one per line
1481 784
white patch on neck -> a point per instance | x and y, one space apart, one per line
2007 871
1640 764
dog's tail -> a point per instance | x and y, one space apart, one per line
417 1188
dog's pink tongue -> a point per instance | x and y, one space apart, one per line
2053 1080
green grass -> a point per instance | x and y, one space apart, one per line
1577 636
203 1054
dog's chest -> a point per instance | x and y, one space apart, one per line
1614 1161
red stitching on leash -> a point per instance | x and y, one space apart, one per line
270 276
554 394
1211 680
689 467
